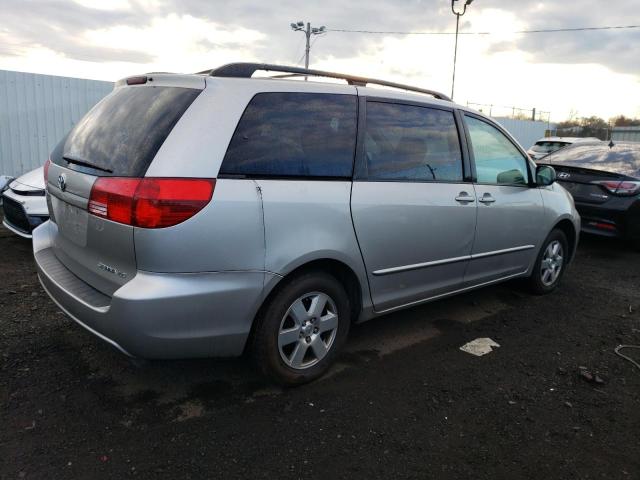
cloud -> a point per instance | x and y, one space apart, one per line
58 26
615 49
62 26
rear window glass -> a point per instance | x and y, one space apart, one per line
548 147
121 135
620 158
294 135
410 143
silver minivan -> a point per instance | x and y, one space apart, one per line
215 213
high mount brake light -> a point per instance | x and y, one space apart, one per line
149 202
620 187
137 80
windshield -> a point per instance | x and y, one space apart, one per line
121 135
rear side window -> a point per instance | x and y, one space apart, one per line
121 135
404 142
497 160
294 135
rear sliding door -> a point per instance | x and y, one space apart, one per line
413 212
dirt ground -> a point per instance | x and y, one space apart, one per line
402 402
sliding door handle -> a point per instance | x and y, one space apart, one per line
486 199
464 197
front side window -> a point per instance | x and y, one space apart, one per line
497 160
294 135
404 142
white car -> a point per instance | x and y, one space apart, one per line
24 203
545 146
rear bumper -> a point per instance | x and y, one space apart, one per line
619 217
154 315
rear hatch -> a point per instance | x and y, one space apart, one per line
579 182
118 138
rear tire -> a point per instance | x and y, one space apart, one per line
550 264
302 329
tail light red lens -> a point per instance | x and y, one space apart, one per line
149 202
46 171
113 197
617 187
165 202
628 188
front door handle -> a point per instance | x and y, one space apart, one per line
464 197
486 199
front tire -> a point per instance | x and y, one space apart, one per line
302 328
550 264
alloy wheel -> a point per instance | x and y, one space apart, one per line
308 330
552 262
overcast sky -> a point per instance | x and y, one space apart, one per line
586 73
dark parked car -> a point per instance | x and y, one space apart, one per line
604 179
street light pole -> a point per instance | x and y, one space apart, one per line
307 34
455 51
308 31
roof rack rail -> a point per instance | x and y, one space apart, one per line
246 70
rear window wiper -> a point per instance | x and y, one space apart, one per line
84 163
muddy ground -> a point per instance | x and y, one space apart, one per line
403 401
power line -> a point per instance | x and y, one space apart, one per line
547 30
300 44
304 53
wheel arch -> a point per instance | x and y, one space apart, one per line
344 273
567 227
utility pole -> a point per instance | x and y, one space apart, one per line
308 31
455 51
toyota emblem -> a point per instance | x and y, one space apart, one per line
62 182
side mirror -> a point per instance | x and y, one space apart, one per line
545 175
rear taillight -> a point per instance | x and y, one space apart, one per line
149 202
46 171
617 187
113 197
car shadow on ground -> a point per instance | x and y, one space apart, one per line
189 388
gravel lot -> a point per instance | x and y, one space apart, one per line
403 400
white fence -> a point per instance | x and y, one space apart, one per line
625 134
36 111
526 132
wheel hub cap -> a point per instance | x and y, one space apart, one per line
306 329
